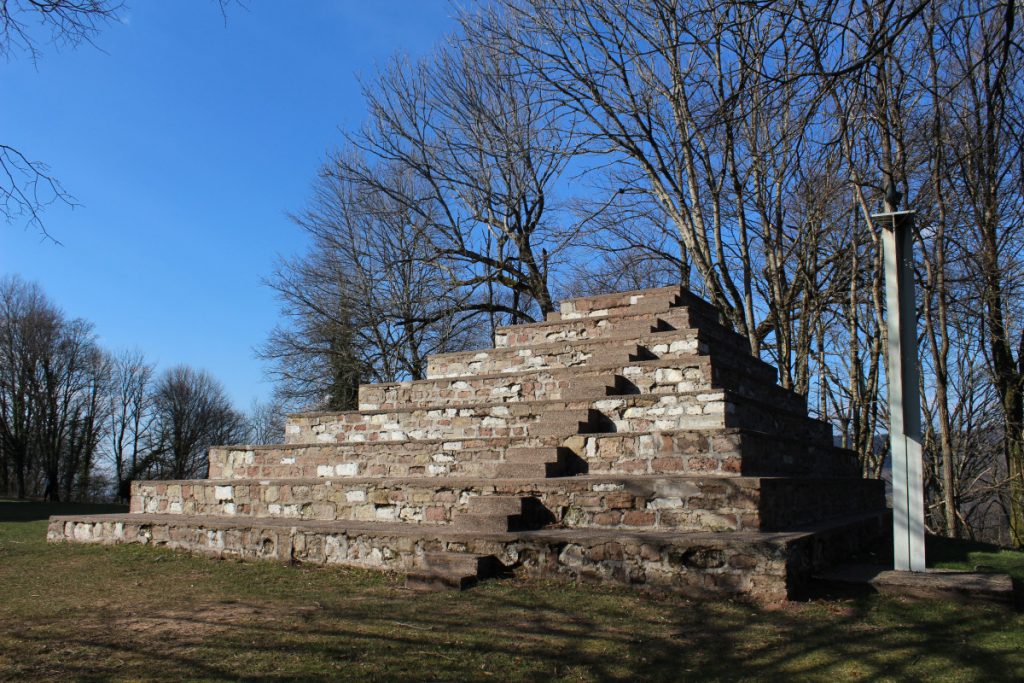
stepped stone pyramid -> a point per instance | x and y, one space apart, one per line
629 438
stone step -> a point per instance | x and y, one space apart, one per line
481 566
486 523
580 352
629 327
528 463
427 581
711 451
474 457
635 413
495 505
680 502
668 372
652 300
525 454
528 470
767 567
561 354
566 422
696 451
622 324
594 386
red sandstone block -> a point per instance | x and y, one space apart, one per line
667 465
638 518
649 552
435 514
608 518
619 500
702 464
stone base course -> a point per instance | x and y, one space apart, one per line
767 567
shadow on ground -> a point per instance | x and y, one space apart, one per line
31 510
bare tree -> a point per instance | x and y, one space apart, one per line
130 417
486 151
369 302
264 422
27 323
191 413
53 383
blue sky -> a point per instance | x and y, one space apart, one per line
185 142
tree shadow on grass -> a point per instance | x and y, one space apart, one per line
265 623
517 630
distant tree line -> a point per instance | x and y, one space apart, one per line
557 147
80 422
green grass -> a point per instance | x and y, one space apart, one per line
76 612
970 556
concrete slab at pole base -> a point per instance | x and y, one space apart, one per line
941 584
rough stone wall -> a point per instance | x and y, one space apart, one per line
700 566
675 504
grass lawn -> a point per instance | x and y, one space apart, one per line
74 612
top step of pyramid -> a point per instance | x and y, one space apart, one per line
593 315
619 303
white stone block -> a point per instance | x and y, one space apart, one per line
347 469
223 493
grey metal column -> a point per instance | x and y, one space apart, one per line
904 391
